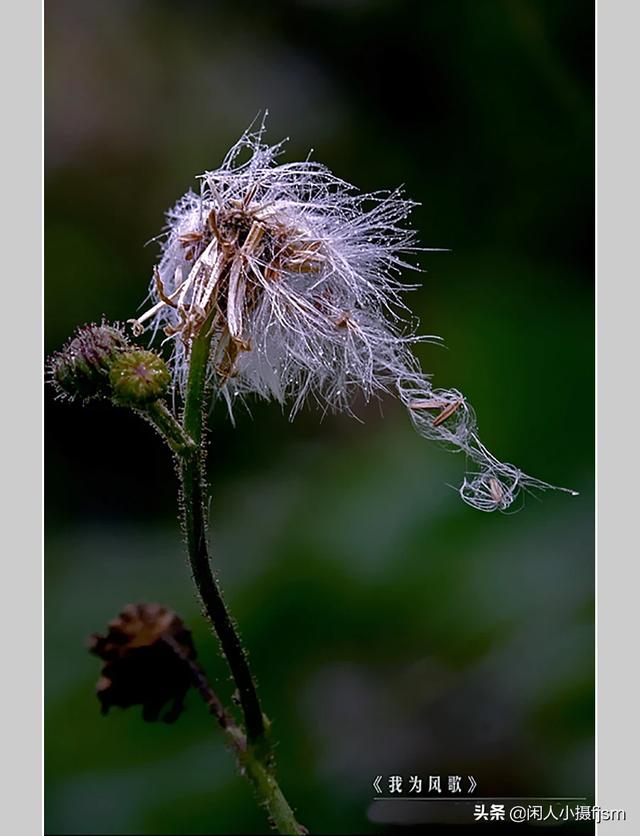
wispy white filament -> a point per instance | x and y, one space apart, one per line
299 278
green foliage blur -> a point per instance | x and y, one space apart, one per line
393 630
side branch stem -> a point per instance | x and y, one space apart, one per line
162 419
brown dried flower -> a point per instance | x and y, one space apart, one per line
147 653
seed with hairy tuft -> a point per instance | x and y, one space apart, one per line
138 377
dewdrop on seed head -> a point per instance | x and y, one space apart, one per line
298 278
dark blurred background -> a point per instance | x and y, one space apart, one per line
393 629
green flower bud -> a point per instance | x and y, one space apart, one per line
138 378
81 369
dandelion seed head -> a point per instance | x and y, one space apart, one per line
298 278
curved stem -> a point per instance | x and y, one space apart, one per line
195 525
266 787
253 750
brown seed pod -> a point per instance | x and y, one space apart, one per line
144 654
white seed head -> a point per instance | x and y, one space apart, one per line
298 278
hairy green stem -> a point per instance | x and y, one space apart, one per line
266 787
253 749
269 794
195 523
158 414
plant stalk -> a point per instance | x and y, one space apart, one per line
195 525
250 744
162 419
266 787
252 750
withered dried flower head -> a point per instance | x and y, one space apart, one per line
144 653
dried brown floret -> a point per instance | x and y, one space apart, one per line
144 654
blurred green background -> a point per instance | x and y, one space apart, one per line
393 629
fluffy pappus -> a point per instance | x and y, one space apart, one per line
298 278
